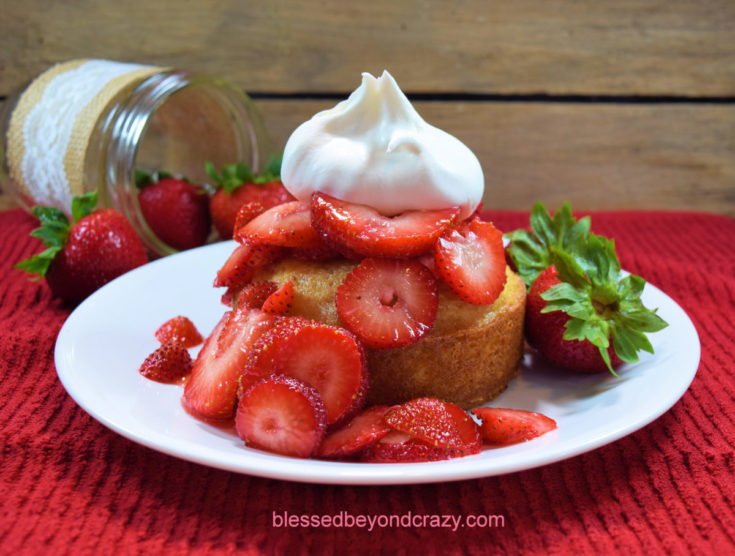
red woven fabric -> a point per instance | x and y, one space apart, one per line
69 485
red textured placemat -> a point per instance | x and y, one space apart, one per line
67 484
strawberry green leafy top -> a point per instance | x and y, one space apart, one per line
235 175
602 302
54 231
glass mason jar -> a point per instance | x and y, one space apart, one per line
90 124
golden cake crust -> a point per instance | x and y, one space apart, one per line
468 358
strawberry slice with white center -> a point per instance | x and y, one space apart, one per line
363 430
262 356
328 358
211 391
388 303
331 360
282 415
510 426
244 262
365 231
470 259
285 225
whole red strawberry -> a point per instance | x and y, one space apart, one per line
176 211
545 332
583 313
237 186
81 256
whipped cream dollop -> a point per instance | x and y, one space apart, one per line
374 149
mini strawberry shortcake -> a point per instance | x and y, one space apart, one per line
380 285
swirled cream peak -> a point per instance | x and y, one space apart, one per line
374 149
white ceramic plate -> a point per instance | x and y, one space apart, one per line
104 341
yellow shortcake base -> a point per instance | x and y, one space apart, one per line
468 358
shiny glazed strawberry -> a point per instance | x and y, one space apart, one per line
211 391
470 259
388 302
361 229
510 426
282 415
363 430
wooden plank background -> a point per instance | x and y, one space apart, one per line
609 104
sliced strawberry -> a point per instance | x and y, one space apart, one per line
470 259
282 415
361 431
388 302
254 294
285 225
179 329
211 390
331 360
469 430
363 230
280 301
509 426
246 213
399 447
262 356
168 363
244 262
427 419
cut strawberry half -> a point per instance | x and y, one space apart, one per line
470 259
388 302
285 225
244 262
361 431
282 415
509 426
211 390
169 363
179 329
362 229
280 301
